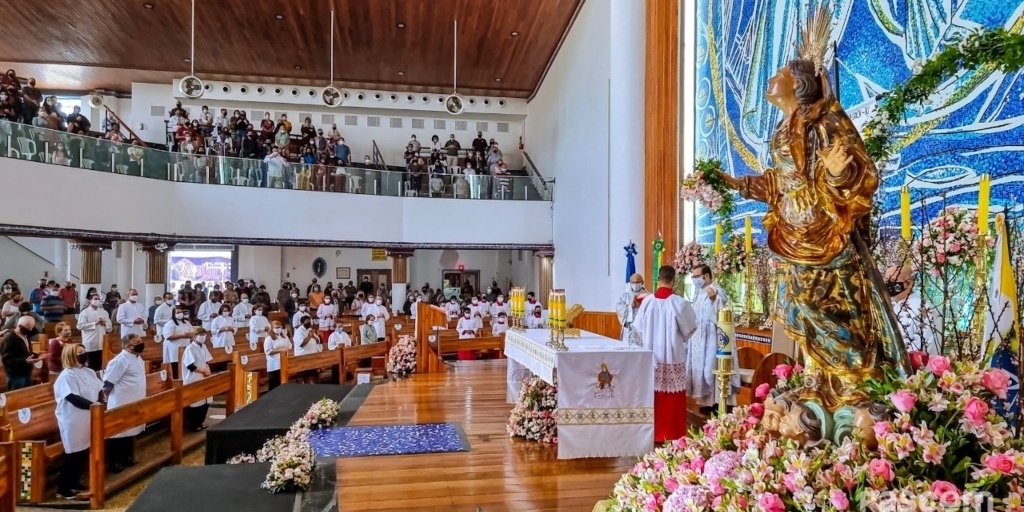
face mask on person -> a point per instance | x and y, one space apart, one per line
245 300
28 332
133 298
278 330
369 299
179 316
488 290
82 359
466 315
339 329
476 301
95 303
536 314
302 308
259 312
895 288
501 299
138 349
186 316
295 295
419 299
225 312
158 302
379 302
327 300
200 339
698 282
636 287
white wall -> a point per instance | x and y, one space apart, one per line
360 138
188 209
567 137
262 264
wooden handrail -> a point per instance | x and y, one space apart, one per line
134 136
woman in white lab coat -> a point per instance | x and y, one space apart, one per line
223 329
177 333
259 326
275 344
75 390
196 361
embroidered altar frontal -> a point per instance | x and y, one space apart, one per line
605 391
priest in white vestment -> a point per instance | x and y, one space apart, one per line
702 351
628 305
666 322
918 320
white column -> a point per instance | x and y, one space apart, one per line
627 39
61 260
124 267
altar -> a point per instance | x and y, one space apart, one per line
605 391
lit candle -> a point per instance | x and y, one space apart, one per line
718 238
983 200
905 212
748 234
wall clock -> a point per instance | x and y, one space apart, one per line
319 267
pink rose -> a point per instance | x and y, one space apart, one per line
839 499
783 371
975 410
1001 463
882 468
903 400
697 464
716 486
790 482
918 359
938 365
940 257
882 428
671 484
946 492
798 368
771 502
997 381
762 391
757 410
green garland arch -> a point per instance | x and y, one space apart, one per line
996 48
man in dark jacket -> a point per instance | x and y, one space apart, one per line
17 354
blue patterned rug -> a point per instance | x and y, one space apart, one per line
389 440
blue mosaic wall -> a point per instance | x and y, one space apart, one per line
972 127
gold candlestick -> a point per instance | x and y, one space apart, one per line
724 371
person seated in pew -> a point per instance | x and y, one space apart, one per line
452 309
93 323
531 300
259 326
478 322
306 341
500 324
536 318
209 310
196 360
223 328
124 382
475 306
367 332
275 344
176 334
485 305
500 306
75 389
242 312
339 338
54 361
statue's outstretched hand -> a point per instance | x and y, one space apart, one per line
835 159
734 183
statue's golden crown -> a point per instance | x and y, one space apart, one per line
815 35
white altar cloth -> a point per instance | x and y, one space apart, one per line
605 391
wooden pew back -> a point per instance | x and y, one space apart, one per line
244 388
291 365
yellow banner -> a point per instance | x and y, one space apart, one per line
378 254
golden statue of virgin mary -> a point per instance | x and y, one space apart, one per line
819 195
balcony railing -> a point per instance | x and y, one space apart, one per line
101 155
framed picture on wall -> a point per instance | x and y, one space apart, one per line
344 273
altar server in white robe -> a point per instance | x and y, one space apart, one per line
531 301
452 309
368 308
177 333
702 351
918 320
75 390
124 382
297 317
131 315
164 313
628 305
339 338
535 319
325 315
500 306
259 326
466 326
94 323
666 322
242 312
223 329
380 315
475 307
196 360
485 306
209 309
500 324
275 344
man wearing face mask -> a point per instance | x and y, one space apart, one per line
282 295
164 312
369 307
918 320
627 306
69 296
52 307
230 296
380 314
242 312
452 309
196 359
124 382
210 309
94 323
702 352
131 315
18 359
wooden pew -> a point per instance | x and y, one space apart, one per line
110 422
291 365
448 342
9 459
221 356
152 353
245 378
350 356
216 384
429 319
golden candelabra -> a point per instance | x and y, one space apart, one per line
724 371
517 303
980 300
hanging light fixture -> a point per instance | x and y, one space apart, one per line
453 103
331 96
191 86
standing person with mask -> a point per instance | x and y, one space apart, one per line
112 301
223 329
75 390
94 323
309 288
242 313
381 314
229 295
275 344
316 297
210 309
302 310
176 334
131 315
291 305
16 352
282 295
124 382
369 307
68 295
36 296
627 306
196 360
52 307
306 340
164 313
499 307
56 347
350 294
918 320
325 315
702 350
259 326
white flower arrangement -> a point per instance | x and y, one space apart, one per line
402 357
291 457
